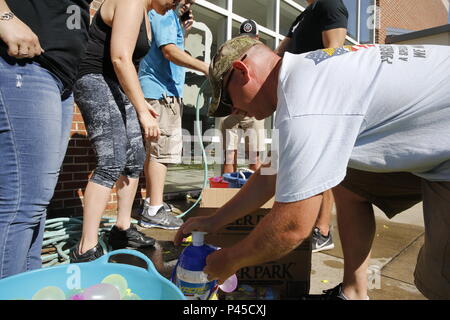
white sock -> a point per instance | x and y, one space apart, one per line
153 210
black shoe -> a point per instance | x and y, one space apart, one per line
119 239
162 219
321 242
330 294
89 255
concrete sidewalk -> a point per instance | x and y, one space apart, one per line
394 253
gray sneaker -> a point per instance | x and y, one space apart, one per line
167 206
321 242
162 219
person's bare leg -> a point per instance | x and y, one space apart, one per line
126 192
254 160
155 177
324 219
230 161
356 223
96 198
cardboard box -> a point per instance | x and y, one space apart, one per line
285 279
288 278
214 198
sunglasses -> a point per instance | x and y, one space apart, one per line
226 99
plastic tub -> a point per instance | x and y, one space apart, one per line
148 284
236 179
218 182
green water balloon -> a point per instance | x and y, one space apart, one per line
118 281
49 293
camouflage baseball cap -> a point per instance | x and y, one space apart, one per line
230 51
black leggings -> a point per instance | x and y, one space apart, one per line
113 128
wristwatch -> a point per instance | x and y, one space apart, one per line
5 16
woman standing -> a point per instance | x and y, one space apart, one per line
41 43
111 101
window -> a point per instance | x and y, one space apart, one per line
287 16
303 3
367 24
352 8
262 11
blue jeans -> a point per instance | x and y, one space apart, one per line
34 132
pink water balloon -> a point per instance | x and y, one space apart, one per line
101 291
230 284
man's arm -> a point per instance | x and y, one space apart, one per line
21 41
174 54
283 46
278 233
334 38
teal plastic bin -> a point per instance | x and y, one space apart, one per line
148 284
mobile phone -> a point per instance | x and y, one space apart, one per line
185 16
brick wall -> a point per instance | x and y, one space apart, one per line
411 15
77 167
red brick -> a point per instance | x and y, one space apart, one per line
75 167
410 15
65 194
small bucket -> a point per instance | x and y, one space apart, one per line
237 179
218 182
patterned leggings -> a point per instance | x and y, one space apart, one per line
113 128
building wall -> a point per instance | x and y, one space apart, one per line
410 15
80 158
442 39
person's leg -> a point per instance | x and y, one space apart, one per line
100 103
167 150
323 222
34 254
432 273
230 139
230 161
392 193
30 126
256 143
355 221
96 197
155 177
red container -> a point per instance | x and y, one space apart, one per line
218 182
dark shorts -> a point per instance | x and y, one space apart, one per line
396 192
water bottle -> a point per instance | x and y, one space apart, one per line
188 274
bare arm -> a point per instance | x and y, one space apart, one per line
334 38
126 23
21 41
278 233
283 46
174 54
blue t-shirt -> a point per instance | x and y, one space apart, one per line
159 76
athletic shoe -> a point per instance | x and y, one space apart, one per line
330 294
162 219
89 255
168 207
321 242
119 239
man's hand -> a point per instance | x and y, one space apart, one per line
205 224
219 266
22 42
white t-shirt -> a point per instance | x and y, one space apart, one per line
378 108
